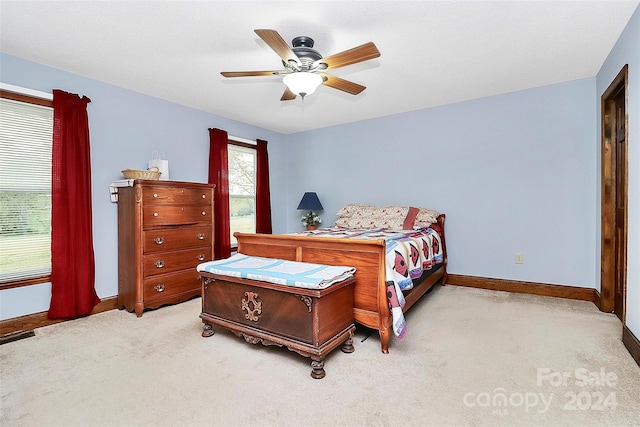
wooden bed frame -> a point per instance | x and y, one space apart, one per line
371 307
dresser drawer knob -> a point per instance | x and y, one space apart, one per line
204 213
155 195
159 288
159 240
159 263
155 214
200 257
204 196
200 236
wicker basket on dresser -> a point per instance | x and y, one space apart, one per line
165 229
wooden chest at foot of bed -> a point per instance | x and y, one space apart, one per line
311 322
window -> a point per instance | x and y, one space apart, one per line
242 189
26 131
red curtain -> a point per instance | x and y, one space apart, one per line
219 175
263 195
72 261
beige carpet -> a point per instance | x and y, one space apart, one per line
471 357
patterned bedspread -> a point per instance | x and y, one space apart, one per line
281 272
408 254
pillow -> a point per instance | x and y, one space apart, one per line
410 220
348 210
426 217
366 216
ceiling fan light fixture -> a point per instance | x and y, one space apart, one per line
302 83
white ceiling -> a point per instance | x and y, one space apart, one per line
432 53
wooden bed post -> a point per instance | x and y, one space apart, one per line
445 276
383 306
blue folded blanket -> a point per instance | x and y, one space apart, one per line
281 272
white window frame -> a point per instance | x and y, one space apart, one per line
236 144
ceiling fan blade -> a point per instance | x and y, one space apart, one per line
288 95
252 73
277 43
357 54
342 84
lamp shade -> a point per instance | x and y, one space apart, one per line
302 83
310 202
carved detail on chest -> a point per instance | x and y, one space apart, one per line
252 305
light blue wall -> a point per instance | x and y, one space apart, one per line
627 51
125 128
514 173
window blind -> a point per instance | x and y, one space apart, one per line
26 132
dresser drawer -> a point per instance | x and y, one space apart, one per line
167 262
176 195
168 285
168 239
154 216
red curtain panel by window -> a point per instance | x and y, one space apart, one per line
263 195
72 259
219 175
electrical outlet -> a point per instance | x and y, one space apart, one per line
519 258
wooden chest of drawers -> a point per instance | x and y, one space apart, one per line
165 229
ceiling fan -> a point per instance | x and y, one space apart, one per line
304 67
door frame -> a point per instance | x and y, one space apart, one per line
608 195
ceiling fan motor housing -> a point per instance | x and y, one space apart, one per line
303 48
